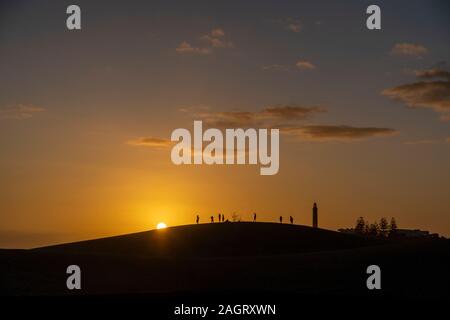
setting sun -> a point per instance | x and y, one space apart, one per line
161 225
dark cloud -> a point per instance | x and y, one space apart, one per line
433 73
267 117
336 132
287 118
290 112
433 94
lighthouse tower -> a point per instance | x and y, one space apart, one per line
315 216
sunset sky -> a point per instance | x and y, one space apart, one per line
86 116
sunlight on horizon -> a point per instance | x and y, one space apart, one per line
161 225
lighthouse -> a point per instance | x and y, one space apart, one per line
315 216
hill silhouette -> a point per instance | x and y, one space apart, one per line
231 257
217 239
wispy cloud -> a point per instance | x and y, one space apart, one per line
150 142
336 132
409 49
422 141
215 39
305 65
301 65
291 24
19 111
433 94
186 47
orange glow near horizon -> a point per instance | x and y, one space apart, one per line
161 225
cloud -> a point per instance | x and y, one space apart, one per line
194 109
19 111
433 73
218 32
215 39
290 24
434 94
428 141
291 112
305 65
287 118
418 142
150 142
268 117
409 49
217 43
336 132
301 65
186 47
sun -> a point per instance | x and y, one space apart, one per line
161 225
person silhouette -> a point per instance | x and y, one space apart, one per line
291 219
223 217
281 219
212 219
198 219
220 217
254 216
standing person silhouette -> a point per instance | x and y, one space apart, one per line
198 219
291 219
223 217
220 217
281 219
212 219
254 216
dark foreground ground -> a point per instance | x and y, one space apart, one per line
236 262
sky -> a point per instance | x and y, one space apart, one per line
86 115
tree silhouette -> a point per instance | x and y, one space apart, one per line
384 226
360 225
366 228
374 230
393 227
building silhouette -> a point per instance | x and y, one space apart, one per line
315 216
